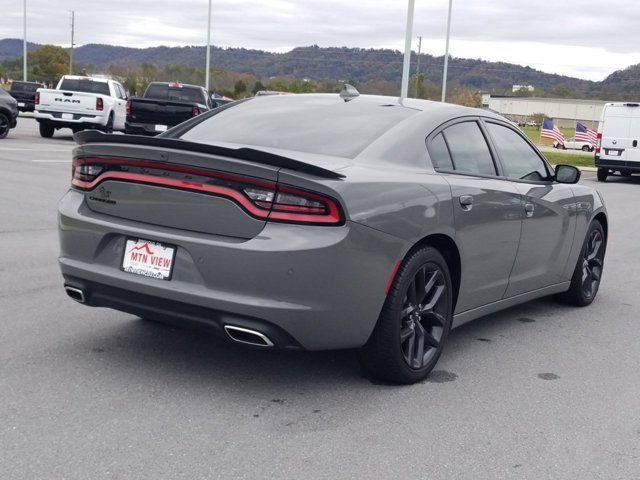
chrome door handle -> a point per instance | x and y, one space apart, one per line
466 202
529 209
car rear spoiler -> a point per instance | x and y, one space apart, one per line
249 154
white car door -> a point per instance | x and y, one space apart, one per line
570 144
119 107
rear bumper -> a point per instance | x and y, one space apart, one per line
142 128
319 287
176 313
617 164
56 119
28 106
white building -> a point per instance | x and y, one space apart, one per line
564 111
527 88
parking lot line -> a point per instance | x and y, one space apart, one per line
62 150
51 161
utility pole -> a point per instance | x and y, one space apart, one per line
24 41
446 55
73 26
206 81
404 89
418 65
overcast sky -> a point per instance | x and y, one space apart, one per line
588 39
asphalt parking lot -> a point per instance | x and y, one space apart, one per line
539 391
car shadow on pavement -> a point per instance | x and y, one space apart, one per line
148 349
617 178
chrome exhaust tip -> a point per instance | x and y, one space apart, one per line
246 336
75 293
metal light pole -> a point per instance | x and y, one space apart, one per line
404 90
446 55
73 26
206 81
24 42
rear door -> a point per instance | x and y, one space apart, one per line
616 133
119 107
549 223
487 211
633 152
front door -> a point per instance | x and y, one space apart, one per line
549 221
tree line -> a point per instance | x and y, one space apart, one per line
48 63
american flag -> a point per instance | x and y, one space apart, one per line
586 134
549 130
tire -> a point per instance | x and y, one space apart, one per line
586 148
603 173
46 130
4 125
109 126
411 332
587 274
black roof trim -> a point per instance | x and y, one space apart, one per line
249 154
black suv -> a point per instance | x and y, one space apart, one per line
25 94
8 112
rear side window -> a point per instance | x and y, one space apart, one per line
439 154
85 85
519 160
469 150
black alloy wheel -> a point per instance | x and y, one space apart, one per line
415 320
4 125
423 316
587 274
592 260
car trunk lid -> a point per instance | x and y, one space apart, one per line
180 188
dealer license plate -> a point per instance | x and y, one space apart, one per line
148 258
161 128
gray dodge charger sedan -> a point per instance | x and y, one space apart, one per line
329 221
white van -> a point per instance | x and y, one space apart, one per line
618 136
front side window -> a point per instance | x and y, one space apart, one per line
519 160
469 150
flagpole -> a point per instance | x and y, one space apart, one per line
540 140
446 55
404 86
208 61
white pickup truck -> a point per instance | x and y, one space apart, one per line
80 103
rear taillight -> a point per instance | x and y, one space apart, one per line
99 104
127 109
260 198
195 111
37 98
598 143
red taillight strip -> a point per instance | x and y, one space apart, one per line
262 210
176 168
173 183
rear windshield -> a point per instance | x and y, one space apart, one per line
86 86
177 94
319 124
24 87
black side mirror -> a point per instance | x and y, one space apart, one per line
567 174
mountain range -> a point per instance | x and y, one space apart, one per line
349 64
